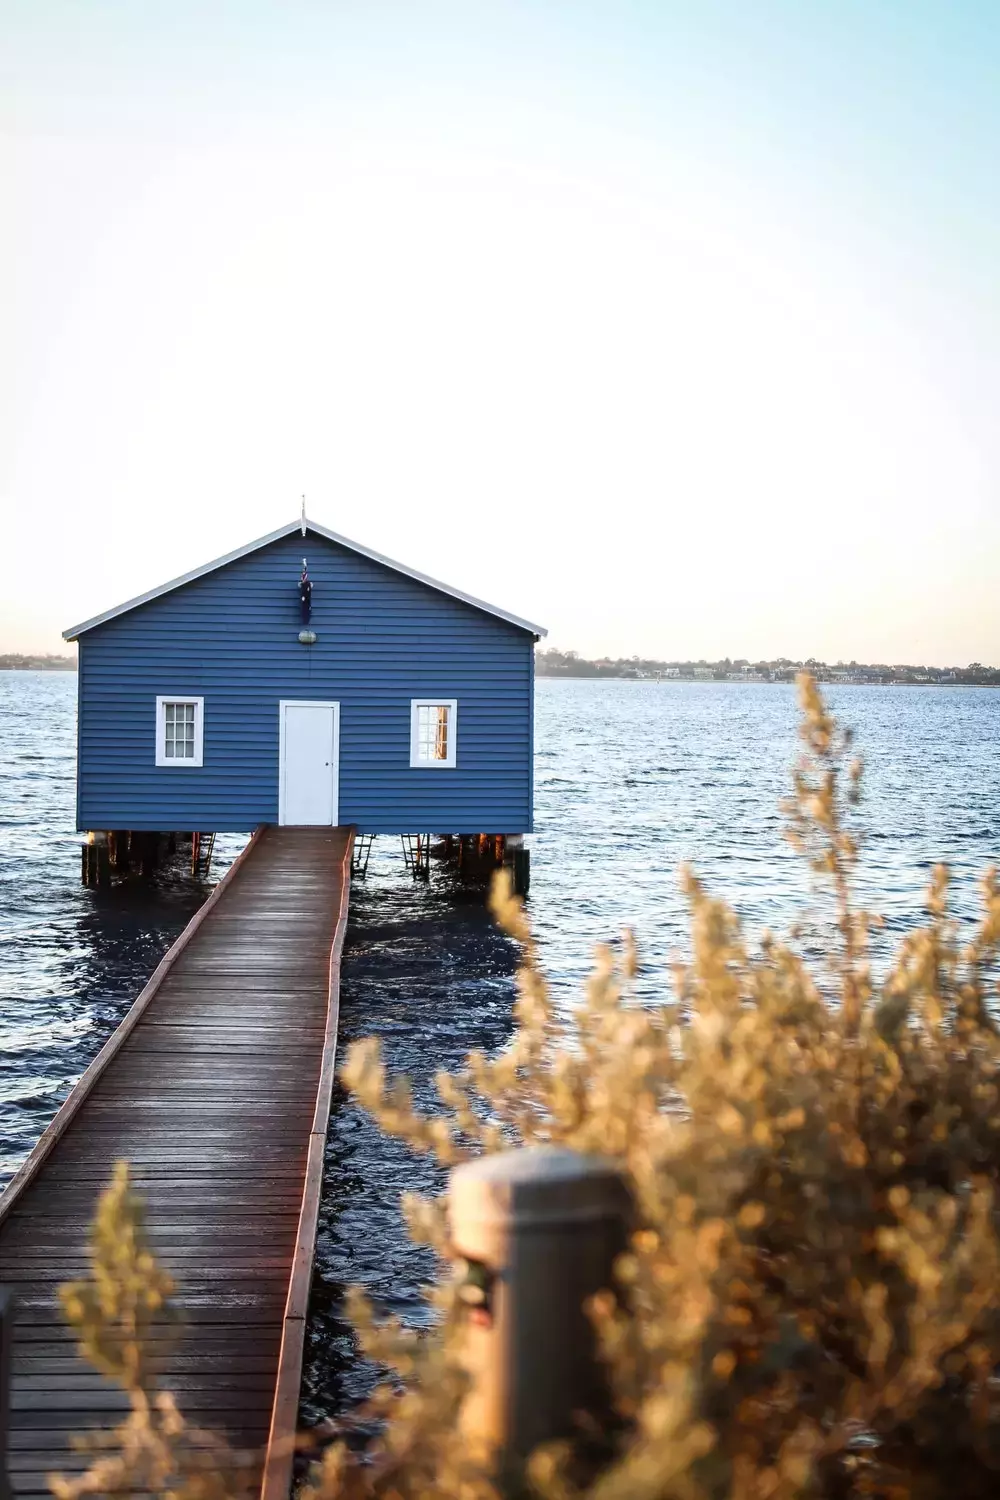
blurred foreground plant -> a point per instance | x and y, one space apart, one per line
810 1305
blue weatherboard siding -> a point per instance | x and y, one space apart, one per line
231 638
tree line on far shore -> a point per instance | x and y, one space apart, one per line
46 663
554 663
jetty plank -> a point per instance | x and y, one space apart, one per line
216 1088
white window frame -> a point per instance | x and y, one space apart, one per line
180 762
416 704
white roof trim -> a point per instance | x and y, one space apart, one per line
275 536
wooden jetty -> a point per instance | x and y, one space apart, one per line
216 1088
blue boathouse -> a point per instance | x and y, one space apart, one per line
304 679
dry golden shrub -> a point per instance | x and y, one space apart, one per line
810 1304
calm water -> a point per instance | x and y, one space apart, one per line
631 779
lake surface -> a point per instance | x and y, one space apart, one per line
631 780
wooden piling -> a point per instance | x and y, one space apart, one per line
118 842
95 861
102 861
148 851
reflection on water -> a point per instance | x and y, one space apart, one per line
631 779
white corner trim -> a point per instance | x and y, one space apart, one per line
274 536
449 764
199 731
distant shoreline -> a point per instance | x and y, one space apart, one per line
755 681
985 677
38 664
554 663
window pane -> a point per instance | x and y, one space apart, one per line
432 732
179 730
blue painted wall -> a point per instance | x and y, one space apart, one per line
231 637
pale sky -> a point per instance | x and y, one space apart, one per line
674 326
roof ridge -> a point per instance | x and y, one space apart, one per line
274 536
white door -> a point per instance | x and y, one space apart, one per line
309 758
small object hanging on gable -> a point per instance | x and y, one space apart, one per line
307 637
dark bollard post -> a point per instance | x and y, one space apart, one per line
6 1353
518 859
537 1233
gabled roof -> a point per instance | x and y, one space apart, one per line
276 536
